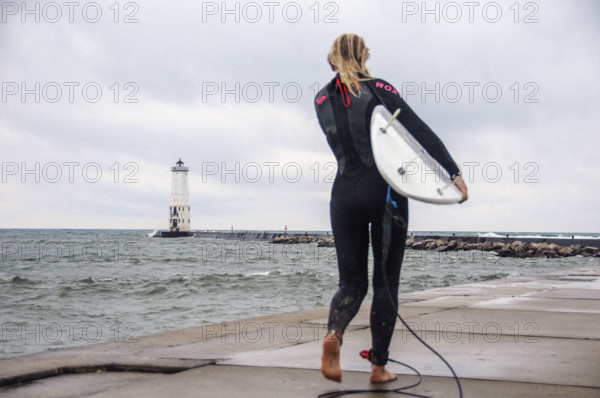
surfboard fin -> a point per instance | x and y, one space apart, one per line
394 116
453 182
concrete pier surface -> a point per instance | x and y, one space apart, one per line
533 336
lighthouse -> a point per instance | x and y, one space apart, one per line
179 209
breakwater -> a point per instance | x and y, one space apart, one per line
257 235
518 246
242 235
308 237
508 239
503 247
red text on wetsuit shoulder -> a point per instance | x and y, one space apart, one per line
387 87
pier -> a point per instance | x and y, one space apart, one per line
242 235
270 236
531 336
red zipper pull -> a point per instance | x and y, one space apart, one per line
343 90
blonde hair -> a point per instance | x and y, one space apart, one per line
348 56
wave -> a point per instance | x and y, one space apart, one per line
490 235
265 273
540 235
17 280
488 277
155 290
555 236
152 234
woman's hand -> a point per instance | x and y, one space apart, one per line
462 187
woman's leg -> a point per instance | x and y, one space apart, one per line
352 248
386 280
351 234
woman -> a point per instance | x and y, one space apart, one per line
358 199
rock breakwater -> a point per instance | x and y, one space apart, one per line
516 248
509 248
291 239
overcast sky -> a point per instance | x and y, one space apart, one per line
100 99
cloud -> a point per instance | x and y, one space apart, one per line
229 88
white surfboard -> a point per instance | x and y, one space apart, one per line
406 165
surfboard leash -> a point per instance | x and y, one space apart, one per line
365 354
389 219
400 390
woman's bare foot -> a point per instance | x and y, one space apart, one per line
330 360
380 375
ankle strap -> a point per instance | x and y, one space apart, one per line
378 358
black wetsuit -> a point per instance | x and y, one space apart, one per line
358 198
